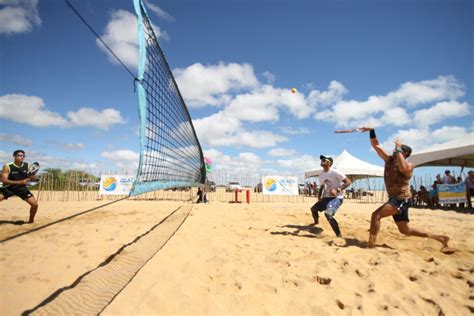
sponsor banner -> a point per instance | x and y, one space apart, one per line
115 184
280 185
452 193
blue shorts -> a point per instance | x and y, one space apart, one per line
331 204
402 207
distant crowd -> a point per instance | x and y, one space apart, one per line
431 197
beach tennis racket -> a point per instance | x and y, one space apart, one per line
342 131
33 169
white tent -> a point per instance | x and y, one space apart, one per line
458 152
352 167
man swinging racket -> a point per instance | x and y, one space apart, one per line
15 176
397 174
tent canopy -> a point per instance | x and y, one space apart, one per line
352 167
458 152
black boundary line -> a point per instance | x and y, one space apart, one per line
59 221
56 293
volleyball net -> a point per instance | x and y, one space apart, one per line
170 153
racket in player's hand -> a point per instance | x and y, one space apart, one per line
342 131
33 169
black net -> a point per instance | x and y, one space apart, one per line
170 154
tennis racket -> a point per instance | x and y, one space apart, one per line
33 169
342 131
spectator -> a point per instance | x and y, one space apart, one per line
448 178
424 196
438 179
202 196
434 194
469 187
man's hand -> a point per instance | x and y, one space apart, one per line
333 192
365 129
397 142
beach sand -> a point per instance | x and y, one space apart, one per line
253 259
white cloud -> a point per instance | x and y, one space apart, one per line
269 77
210 85
441 112
290 130
31 110
415 93
281 152
15 139
18 16
393 108
221 130
396 116
72 146
121 155
300 164
332 95
158 11
246 161
423 138
122 159
121 36
100 119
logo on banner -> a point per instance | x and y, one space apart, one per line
271 184
110 184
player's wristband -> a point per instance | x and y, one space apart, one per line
398 150
372 133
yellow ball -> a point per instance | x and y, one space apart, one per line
293 90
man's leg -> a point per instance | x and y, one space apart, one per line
405 229
383 211
33 209
330 211
319 206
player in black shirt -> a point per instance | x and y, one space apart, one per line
15 178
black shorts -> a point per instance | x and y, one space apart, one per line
402 207
21 191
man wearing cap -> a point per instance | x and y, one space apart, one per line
397 174
332 182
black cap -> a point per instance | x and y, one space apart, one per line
322 157
406 149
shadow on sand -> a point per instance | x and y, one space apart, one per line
313 230
19 222
353 242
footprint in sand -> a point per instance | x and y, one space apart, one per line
323 280
340 304
413 278
447 250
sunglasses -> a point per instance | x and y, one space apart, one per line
20 155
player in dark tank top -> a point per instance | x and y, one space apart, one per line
14 179
397 174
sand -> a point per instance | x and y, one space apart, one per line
229 259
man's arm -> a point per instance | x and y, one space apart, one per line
347 182
375 143
5 172
321 189
403 165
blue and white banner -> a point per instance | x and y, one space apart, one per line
452 193
278 185
115 184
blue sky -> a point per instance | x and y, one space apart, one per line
405 67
